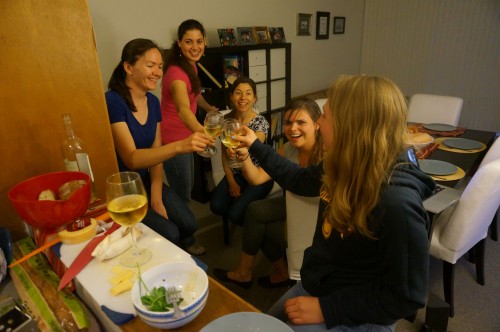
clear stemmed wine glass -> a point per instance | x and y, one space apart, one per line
212 126
127 206
231 127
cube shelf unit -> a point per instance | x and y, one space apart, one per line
269 65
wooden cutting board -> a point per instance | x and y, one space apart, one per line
94 278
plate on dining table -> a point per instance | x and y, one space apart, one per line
437 167
462 143
439 127
246 321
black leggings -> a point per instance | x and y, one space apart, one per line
264 228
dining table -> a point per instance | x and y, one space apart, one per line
221 301
116 313
468 162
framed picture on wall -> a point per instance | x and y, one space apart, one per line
322 25
338 25
304 24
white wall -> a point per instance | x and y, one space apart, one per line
315 63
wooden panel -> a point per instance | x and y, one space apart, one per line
48 67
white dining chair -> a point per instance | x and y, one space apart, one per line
301 216
493 154
321 102
462 228
426 108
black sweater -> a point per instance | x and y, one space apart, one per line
360 280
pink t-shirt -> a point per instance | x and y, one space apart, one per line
172 127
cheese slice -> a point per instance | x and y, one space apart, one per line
122 276
123 286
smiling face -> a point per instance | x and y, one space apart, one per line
145 73
243 97
300 129
192 45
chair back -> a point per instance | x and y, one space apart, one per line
321 102
301 216
426 108
216 161
492 154
457 230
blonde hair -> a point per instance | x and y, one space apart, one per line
369 125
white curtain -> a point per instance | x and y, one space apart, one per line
444 47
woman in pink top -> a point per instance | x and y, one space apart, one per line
180 97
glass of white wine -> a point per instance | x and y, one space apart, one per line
231 127
127 206
212 125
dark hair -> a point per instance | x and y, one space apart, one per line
176 58
238 81
243 80
312 108
131 52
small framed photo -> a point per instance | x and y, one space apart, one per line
322 25
245 36
277 35
338 25
304 24
262 35
226 37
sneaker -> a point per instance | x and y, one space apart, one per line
196 249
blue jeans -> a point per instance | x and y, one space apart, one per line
223 204
179 172
278 311
181 223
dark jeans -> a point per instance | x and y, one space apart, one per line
223 204
181 223
179 172
264 228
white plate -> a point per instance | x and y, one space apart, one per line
439 127
437 167
462 143
246 322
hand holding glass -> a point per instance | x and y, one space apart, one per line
231 127
127 206
212 127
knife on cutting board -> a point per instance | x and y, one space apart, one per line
84 257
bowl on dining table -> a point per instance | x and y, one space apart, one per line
187 278
50 215
420 140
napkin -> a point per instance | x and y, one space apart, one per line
425 152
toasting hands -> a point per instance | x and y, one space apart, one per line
246 138
196 142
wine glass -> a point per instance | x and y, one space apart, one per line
231 127
127 206
212 125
